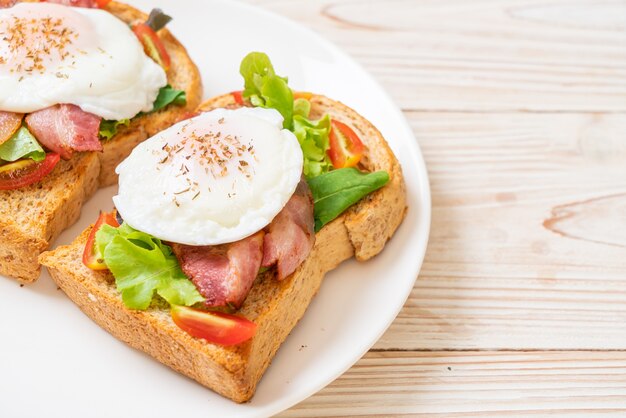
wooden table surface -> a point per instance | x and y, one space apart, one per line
519 107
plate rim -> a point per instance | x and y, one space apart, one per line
424 207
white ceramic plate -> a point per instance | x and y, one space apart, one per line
55 362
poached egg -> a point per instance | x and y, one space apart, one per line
51 54
212 179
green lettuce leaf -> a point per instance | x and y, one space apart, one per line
264 88
169 95
143 265
313 139
22 145
301 107
337 190
108 128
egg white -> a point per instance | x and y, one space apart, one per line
168 189
103 70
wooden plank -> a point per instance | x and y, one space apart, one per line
485 384
528 238
483 55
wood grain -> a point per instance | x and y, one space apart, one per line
520 109
471 384
528 238
483 55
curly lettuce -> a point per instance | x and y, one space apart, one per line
108 128
263 88
142 266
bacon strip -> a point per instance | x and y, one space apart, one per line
291 234
223 274
65 128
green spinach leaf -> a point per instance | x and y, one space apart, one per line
337 190
169 95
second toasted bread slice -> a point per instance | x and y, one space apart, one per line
33 216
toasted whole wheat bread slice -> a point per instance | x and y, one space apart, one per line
274 306
33 216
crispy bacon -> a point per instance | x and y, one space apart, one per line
224 273
291 233
65 128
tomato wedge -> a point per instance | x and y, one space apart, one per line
346 149
152 45
238 96
24 172
102 3
91 256
9 124
215 327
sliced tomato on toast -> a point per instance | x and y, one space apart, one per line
91 256
215 327
346 149
152 45
238 97
22 173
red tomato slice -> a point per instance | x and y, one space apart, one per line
91 256
238 96
346 149
215 327
9 124
24 172
152 45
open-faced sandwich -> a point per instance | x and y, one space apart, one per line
225 225
82 82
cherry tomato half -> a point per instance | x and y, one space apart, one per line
24 172
215 327
152 45
102 3
346 149
238 97
91 256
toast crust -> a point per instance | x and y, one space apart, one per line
275 306
31 219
